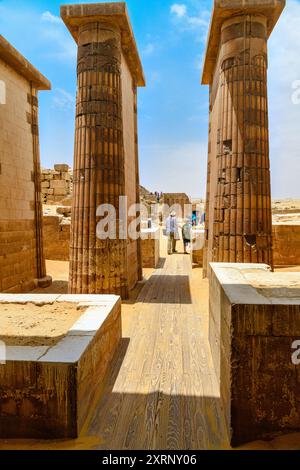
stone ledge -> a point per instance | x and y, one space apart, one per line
224 9
47 391
75 15
21 65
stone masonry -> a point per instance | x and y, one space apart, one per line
57 184
106 150
254 321
22 264
238 213
177 199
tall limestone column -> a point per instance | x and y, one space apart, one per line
239 213
106 47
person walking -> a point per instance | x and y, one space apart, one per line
172 232
186 235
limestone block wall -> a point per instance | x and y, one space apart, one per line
56 238
252 328
21 257
57 184
150 248
180 199
286 244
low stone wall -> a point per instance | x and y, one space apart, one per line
150 247
56 238
252 328
197 247
56 184
48 392
286 242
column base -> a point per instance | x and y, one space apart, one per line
44 282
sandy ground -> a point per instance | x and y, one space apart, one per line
33 325
286 205
286 211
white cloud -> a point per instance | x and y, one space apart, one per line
50 18
64 100
187 22
179 10
284 70
149 49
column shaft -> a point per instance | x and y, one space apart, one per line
98 266
242 229
40 259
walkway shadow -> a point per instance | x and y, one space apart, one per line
161 263
155 421
171 289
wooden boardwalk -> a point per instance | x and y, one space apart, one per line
162 391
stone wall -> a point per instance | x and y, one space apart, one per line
57 184
254 320
286 244
21 254
177 199
197 247
57 238
150 248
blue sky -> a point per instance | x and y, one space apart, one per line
173 108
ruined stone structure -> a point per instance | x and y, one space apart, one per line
57 184
57 237
238 213
106 145
22 263
179 199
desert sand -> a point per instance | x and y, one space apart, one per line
33 325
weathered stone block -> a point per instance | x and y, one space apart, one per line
58 184
150 247
47 392
62 168
286 244
60 191
254 320
197 247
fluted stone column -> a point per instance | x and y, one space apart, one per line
97 265
106 47
137 176
239 213
42 278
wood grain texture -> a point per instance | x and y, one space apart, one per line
162 391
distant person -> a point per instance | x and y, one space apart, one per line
172 232
194 220
186 235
